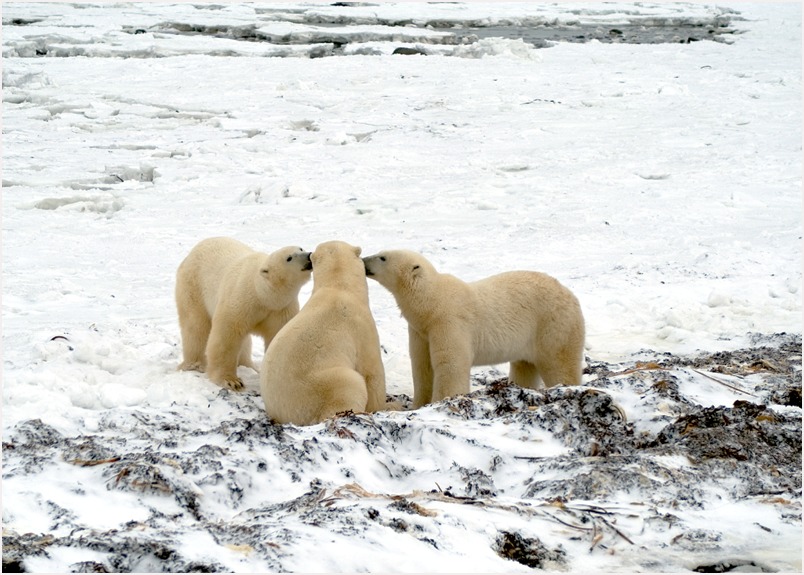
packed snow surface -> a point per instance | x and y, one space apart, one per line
660 182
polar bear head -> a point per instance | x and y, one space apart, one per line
399 271
338 264
282 274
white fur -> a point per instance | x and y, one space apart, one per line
526 318
327 359
226 291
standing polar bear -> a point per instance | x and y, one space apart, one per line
526 318
327 359
225 291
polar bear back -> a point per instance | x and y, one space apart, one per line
348 325
327 359
209 263
524 308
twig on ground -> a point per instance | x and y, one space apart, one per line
92 462
617 531
641 366
721 382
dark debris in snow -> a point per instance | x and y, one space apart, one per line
416 473
529 551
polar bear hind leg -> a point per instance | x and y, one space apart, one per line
341 389
563 367
244 357
524 374
559 348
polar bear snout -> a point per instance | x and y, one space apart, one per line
301 257
373 263
307 263
367 266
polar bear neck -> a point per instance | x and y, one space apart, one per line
276 292
343 281
431 296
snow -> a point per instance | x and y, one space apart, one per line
660 182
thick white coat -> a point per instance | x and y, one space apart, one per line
327 359
523 317
226 291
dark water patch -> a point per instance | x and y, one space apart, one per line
660 33
733 566
305 31
21 21
542 35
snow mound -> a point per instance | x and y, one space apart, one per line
497 47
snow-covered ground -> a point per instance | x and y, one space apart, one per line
661 183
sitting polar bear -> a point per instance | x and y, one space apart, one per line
526 318
327 359
225 291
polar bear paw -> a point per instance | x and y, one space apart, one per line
230 382
191 366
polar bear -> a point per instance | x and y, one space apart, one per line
225 291
327 359
526 318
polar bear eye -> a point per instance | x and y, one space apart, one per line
382 258
290 259
415 267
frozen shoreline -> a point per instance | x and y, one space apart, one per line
344 30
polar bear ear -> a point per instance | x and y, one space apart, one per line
358 250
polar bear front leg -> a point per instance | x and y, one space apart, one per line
223 349
451 357
419 350
270 326
194 324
